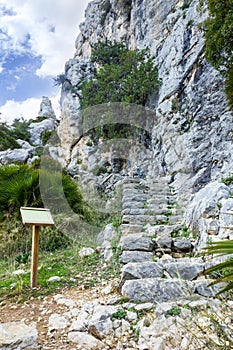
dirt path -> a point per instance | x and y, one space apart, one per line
39 310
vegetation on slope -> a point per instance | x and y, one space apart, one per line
123 76
8 136
20 187
219 41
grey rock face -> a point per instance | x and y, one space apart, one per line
184 270
46 109
107 234
182 243
18 155
17 335
135 256
36 130
141 270
133 242
87 341
156 290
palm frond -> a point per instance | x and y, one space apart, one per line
225 269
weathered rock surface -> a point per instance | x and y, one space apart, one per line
156 290
18 155
18 335
36 130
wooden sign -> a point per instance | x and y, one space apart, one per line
35 217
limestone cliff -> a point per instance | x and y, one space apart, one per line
192 137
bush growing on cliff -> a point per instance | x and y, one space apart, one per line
123 76
219 40
8 136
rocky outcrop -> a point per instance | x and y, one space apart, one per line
191 138
46 109
45 123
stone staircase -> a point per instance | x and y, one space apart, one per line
157 258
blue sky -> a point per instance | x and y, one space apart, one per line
37 37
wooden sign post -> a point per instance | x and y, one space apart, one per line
35 217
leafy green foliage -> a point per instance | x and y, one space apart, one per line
119 315
228 180
7 140
219 40
20 129
19 187
174 311
124 76
8 136
225 269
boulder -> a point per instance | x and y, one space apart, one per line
141 270
17 335
135 256
18 155
135 242
85 340
184 270
156 290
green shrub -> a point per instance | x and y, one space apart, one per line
219 41
7 140
124 76
19 187
45 136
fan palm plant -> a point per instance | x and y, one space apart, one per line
225 268
19 187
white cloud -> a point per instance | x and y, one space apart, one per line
50 27
27 109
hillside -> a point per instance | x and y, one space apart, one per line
146 134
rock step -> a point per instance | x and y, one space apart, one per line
131 229
149 211
144 219
158 290
133 205
183 268
160 197
135 198
137 242
135 256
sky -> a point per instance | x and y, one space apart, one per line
37 37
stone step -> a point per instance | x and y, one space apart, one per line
137 242
148 211
158 198
166 230
141 270
185 269
144 219
136 186
133 205
127 229
129 256
157 290
133 193
135 198
175 219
